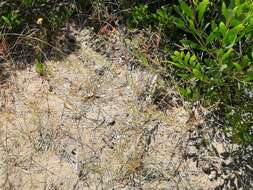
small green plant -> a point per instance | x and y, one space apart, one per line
40 67
11 19
163 19
218 64
140 16
160 19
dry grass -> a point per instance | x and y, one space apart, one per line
84 126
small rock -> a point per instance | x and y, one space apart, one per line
213 175
192 151
207 168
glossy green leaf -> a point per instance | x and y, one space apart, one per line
186 9
222 28
192 27
226 55
197 72
201 9
224 10
178 65
231 36
192 59
6 20
187 57
179 23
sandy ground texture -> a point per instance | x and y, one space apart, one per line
86 125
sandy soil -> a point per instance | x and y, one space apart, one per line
85 125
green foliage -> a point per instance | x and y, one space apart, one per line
215 61
159 19
140 15
40 67
218 64
11 19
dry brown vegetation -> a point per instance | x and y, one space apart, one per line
87 124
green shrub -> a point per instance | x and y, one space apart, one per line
216 63
159 18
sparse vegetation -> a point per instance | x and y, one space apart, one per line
126 94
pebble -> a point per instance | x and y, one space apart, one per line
213 175
192 151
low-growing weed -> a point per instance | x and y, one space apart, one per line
40 67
